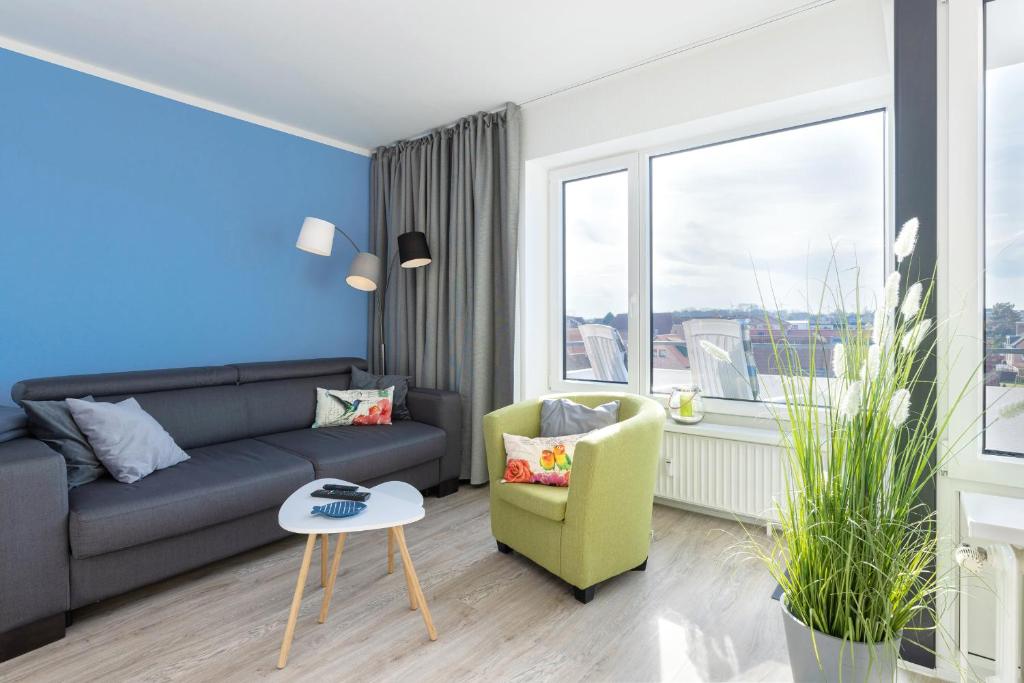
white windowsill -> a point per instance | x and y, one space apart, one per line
1012 460
714 430
757 419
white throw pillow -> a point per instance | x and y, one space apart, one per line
541 460
337 407
125 438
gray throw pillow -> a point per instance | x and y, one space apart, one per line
562 417
367 380
125 438
51 423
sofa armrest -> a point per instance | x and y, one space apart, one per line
441 409
13 424
33 533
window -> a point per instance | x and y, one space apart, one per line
595 277
1004 224
776 204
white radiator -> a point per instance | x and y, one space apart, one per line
727 470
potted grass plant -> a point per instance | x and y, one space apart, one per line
855 546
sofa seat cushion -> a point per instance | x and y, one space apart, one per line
217 484
543 501
359 454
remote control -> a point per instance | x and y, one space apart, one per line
360 496
340 487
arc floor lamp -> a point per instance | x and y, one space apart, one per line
366 272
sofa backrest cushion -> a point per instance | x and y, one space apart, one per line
281 396
197 406
295 369
122 383
209 405
195 417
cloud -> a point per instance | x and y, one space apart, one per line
1004 185
775 205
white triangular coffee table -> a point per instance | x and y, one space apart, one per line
391 506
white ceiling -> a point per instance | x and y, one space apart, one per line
366 73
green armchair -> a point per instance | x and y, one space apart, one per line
600 525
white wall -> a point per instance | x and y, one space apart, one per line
837 53
836 44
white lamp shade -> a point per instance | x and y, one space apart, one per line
365 272
316 236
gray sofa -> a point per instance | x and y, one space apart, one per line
246 428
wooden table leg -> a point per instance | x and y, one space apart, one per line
414 582
391 552
289 630
393 536
325 549
333 577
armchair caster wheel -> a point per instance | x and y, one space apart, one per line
584 595
504 549
642 567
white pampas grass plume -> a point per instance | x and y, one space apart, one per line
1013 410
892 291
849 403
906 240
912 301
899 407
716 352
913 338
881 329
872 363
839 361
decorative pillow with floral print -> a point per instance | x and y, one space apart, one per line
335 408
543 460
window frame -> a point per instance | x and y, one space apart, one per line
962 245
638 163
960 302
556 263
983 236
734 406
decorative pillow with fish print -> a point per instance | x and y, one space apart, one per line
543 460
336 407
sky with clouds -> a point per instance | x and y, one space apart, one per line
774 205
1004 184
596 245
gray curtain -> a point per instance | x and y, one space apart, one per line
451 324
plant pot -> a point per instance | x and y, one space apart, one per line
836 660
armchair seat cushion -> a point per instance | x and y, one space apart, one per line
543 501
218 483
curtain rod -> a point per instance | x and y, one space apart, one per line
645 62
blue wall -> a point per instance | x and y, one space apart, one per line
139 232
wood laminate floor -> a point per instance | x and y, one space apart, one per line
699 612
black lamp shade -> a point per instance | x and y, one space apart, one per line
413 251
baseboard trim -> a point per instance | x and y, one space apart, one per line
30 636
